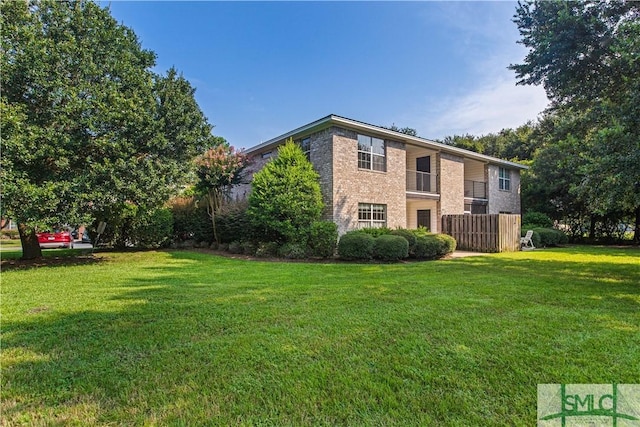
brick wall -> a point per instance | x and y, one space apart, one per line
500 200
352 186
451 184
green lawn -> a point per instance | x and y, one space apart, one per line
166 338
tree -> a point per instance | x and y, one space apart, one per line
285 197
585 54
218 170
86 126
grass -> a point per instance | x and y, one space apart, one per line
187 338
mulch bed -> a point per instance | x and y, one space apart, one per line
14 264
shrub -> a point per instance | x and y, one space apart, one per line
285 198
356 245
323 238
537 220
374 231
409 236
267 249
434 246
152 230
235 247
292 251
232 222
550 237
447 243
390 247
190 220
9 234
248 248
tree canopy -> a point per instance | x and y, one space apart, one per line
586 55
86 125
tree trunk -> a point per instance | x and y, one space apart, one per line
30 246
636 233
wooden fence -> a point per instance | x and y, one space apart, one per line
484 233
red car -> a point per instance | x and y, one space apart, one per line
55 239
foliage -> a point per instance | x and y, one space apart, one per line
537 219
550 237
235 247
9 234
292 251
190 220
232 222
390 247
356 245
434 246
218 170
374 231
285 198
86 126
409 235
152 230
585 54
266 249
323 239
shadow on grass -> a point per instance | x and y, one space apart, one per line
228 341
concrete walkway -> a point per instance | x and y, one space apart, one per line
463 254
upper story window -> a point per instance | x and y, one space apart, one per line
504 179
267 155
305 145
371 153
371 215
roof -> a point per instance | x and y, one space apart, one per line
334 120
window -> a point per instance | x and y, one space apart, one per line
372 216
371 153
305 145
267 155
504 179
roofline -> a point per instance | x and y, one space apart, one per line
388 134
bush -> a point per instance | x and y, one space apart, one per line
537 220
356 245
267 249
248 248
9 234
292 251
374 231
190 220
409 236
153 230
235 247
323 238
434 246
550 237
390 248
232 222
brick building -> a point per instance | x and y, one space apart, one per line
371 176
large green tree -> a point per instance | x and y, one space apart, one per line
586 55
285 197
86 126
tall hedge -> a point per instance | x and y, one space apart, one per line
285 198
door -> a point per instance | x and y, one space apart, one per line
423 177
424 218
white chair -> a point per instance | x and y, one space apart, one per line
526 242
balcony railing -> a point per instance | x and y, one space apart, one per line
422 182
475 189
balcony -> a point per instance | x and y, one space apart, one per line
475 189
421 182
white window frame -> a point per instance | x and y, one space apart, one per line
372 215
504 179
368 158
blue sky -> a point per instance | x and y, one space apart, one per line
261 69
